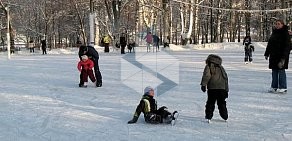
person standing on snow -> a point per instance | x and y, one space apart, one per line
123 43
247 39
149 39
278 51
248 49
156 42
215 79
148 107
94 56
85 67
31 46
44 46
106 41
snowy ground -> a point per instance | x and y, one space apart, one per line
41 101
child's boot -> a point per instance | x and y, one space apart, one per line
85 85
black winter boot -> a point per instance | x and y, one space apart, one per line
134 120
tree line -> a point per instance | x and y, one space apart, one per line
63 22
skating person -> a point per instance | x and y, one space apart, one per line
278 51
148 107
123 43
94 56
31 46
215 79
156 42
44 46
131 46
149 39
248 49
106 42
247 39
85 67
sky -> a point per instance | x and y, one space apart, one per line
40 99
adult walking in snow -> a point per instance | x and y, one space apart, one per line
44 46
215 79
156 42
106 42
148 107
123 43
277 51
94 56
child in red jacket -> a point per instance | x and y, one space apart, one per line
85 67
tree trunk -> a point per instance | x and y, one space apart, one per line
247 18
211 22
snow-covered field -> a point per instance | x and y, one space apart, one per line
40 99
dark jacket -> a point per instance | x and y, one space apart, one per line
247 39
146 106
278 48
123 41
44 44
90 52
155 38
214 75
248 47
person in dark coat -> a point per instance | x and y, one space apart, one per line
94 56
148 107
156 42
44 46
277 51
215 79
290 33
123 43
247 39
248 49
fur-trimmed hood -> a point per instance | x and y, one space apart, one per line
212 58
214 75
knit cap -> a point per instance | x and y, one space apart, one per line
148 89
84 57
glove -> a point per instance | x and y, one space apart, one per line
163 107
203 88
134 120
266 57
281 64
226 95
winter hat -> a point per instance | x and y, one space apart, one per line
148 89
212 58
84 57
83 48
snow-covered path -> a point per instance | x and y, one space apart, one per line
41 101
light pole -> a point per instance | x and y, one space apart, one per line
8 33
91 23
